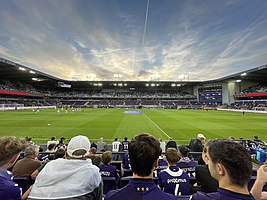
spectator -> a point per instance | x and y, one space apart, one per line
60 153
185 163
10 149
261 153
173 179
144 151
171 144
52 141
101 145
27 165
51 148
231 165
61 143
96 160
106 169
196 145
116 145
126 161
72 178
261 180
125 144
162 145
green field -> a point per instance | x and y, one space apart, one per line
181 125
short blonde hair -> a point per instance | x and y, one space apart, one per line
106 157
9 147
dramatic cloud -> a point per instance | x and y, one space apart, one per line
93 40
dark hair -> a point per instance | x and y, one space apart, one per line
60 153
125 138
106 157
144 150
172 156
53 138
51 146
233 157
183 150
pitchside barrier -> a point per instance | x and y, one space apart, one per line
4 107
246 111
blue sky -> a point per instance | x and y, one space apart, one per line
138 39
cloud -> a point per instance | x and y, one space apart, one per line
78 38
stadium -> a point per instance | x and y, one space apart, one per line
186 75
116 109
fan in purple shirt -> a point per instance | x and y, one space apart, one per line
106 169
185 163
173 179
10 148
231 165
126 161
144 151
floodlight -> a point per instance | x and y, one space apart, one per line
173 84
34 79
244 74
32 72
22 69
238 81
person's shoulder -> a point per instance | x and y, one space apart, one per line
204 196
9 190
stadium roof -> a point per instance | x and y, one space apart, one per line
134 39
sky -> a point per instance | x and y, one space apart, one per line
135 40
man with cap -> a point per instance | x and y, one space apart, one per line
72 178
196 145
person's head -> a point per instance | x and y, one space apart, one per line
172 156
78 147
160 139
170 139
201 137
106 157
60 153
92 150
53 138
31 151
229 160
51 146
116 139
10 148
125 139
101 139
183 151
256 137
144 151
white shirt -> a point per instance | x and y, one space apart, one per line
115 146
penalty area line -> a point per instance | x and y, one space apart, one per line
156 125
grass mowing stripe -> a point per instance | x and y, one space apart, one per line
156 125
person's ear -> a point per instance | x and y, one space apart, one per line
220 168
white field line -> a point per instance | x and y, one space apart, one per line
156 125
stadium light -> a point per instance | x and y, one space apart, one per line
244 74
238 81
22 69
34 79
32 72
173 84
147 84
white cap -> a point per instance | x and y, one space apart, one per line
201 136
79 142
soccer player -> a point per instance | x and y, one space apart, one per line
144 151
173 179
231 165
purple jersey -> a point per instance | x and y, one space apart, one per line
108 171
221 194
162 164
125 145
189 166
126 161
139 189
175 181
8 189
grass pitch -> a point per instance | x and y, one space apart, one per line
181 125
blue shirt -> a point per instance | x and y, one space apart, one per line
221 194
261 154
9 190
175 181
139 189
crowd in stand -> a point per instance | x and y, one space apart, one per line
64 171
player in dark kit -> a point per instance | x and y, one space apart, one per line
173 179
125 144
231 165
144 151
